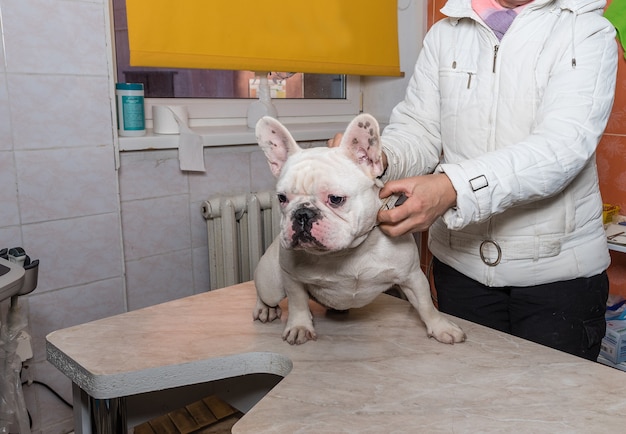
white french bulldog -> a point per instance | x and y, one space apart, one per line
330 248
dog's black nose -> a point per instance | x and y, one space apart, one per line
302 221
304 217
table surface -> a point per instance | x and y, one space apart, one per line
371 370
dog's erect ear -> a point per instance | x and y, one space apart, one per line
361 142
276 142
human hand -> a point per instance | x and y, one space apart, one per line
428 198
335 141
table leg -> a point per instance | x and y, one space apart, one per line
108 416
98 416
82 423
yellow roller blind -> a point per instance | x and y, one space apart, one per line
322 36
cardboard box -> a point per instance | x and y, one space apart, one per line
613 345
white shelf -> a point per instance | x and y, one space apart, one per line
613 229
229 135
617 248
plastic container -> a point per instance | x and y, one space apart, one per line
608 212
131 119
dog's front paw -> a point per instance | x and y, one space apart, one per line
265 313
299 335
446 331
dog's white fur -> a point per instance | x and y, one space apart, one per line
329 247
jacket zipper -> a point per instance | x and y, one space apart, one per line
489 271
495 56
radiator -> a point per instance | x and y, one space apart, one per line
239 229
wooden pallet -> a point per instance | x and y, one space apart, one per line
210 415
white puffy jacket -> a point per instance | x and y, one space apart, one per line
515 125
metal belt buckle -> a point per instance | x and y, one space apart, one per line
484 258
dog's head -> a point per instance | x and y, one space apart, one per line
328 196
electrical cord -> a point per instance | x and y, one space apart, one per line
50 389
54 392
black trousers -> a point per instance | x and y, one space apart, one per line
567 315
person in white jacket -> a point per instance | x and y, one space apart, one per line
494 146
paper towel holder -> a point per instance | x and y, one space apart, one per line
263 106
166 119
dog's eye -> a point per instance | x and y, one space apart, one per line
336 201
282 198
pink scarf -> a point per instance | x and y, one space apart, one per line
497 17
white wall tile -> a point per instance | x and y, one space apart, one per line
55 37
198 225
260 174
226 173
75 251
201 277
9 212
51 111
10 236
2 63
154 226
158 279
151 174
6 138
64 183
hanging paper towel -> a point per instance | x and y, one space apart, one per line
173 119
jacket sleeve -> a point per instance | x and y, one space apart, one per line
412 140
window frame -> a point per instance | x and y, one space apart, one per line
227 111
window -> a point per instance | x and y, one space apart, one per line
215 95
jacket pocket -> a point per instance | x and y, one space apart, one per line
454 81
459 110
594 331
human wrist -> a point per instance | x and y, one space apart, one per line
448 192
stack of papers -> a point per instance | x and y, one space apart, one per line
616 234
